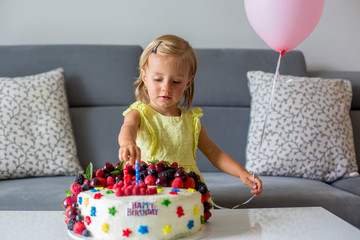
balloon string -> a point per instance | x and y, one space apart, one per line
276 76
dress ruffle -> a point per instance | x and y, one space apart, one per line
196 114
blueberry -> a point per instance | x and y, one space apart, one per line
79 218
85 233
152 172
85 187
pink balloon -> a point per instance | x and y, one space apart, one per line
283 24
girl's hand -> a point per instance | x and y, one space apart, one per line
254 182
130 153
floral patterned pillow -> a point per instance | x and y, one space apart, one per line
308 132
35 129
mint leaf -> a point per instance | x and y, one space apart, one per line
68 193
89 172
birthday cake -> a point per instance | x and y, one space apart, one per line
160 203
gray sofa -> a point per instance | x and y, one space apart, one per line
99 86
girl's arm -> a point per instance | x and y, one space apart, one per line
226 163
129 151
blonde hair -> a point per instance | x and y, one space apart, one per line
182 53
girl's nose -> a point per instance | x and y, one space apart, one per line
166 86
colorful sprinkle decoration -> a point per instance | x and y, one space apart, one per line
80 200
112 211
126 232
87 220
93 211
180 212
196 210
98 196
166 202
190 224
166 229
105 227
143 229
86 202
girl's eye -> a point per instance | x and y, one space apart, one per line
176 82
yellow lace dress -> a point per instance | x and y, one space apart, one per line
173 139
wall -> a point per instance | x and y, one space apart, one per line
334 44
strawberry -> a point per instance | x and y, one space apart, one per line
100 173
67 220
150 180
79 227
110 181
177 183
76 189
189 183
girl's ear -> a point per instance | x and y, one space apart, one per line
191 79
143 75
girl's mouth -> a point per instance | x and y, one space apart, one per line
165 97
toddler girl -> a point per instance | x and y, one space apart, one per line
160 126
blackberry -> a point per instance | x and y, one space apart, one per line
152 172
106 175
201 187
71 224
169 174
207 206
85 187
143 166
79 179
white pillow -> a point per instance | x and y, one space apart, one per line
35 129
308 132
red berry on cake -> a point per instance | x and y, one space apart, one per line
108 167
110 181
100 173
119 192
151 166
142 191
76 189
207 215
67 220
150 180
136 190
103 181
160 166
151 191
95 182
177 183
205 197
189 183
174 165
79 227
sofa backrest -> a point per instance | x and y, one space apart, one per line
222 92
99 86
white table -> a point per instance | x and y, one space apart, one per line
267 223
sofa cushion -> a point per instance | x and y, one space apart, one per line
308 133
228 191
36 133
349 184
41 193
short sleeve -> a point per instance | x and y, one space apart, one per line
138 106
196 114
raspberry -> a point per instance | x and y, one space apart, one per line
150 180
79 227
202 188
142 191
174 165
151 191
128 191
207 215
177 183
205 197
189 183
79 179
136 190
119 192
110 181
76 189
71 224
100 173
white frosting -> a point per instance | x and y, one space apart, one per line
151 212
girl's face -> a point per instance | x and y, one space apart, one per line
166 83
